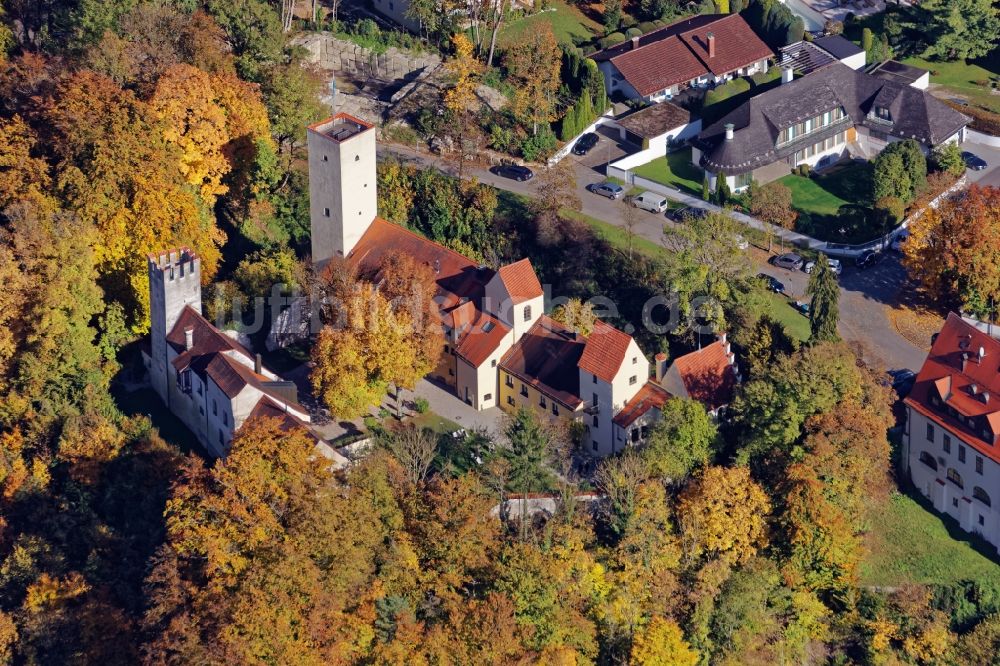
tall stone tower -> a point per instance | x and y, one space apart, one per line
174 282
343 199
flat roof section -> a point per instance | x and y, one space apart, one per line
892 70
340 127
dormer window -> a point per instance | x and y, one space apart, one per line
882 113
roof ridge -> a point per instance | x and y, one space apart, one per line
456 253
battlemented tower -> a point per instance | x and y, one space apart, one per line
174 282
343 197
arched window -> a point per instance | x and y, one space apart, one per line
928 460
955 477
981 495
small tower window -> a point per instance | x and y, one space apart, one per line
326 212
527 313
326 158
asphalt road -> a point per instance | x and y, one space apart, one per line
864 295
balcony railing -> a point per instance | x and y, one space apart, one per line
842 121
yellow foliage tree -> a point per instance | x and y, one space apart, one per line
356 362
661 643
723 515
534 61
465 70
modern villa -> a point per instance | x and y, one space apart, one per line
830 113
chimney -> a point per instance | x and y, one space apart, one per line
257 364
188 338
982 354
660 363
711 44
437 266
729 131
787 74
635 42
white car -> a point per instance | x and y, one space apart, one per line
834 266
654 203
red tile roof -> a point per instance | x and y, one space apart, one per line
546 358
267 408
457 276
650 396
482 340
659 65
520 280
943 379
736 44
605 351
210 356
708 375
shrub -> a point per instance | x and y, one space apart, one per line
705 193
833 27
421 405
612 39
722 191
633 32
982 82
540 146
867 39
891 210
803 170
647 26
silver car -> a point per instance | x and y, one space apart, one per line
834 265
607 189
789 260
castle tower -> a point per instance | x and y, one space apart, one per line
343 199
174 282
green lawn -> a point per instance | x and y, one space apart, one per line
616 235
834 206
781 310
674 170
568 23
960 77
911 543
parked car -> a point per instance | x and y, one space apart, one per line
973 161
802 307
902 381
686 212
772 283
654 203
868 259
789 261
899 240
607 189
834 265
585 143
514 172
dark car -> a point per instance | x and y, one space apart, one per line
772 283
868 259
607 189
902 381
685 213
802 307
585 143
514 172
973 161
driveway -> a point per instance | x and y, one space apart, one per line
991 174
864 295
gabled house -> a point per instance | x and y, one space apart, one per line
708 375
701 51
951 441
827 114
566 376
208 380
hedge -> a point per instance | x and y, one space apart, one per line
983 121
612 39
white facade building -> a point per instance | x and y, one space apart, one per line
953 428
